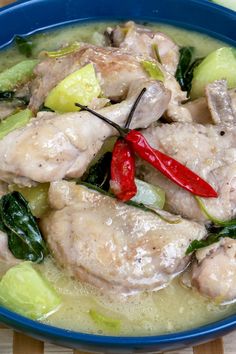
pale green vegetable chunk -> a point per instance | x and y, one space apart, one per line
149 195
153 70
37 197
25 291
17 75
220 64
231 4
15 121
82 86
104 321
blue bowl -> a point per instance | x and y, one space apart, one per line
25 17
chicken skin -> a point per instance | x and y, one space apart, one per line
112 245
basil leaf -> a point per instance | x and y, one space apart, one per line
24 238
24 46
99 174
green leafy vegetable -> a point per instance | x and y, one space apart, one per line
14 121
104 321
10 96
24 290
18 74
186 67
229 231
16 220
197 244
99 173
189 74
153 70
185 59
24 46
7 95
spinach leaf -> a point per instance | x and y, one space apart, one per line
16 220
24 46
185 68
185 59
99 174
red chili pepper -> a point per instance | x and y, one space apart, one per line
170 167
123 171
123 163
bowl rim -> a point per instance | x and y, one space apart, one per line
17 321
18 4
13 319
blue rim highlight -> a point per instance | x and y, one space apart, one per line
226 33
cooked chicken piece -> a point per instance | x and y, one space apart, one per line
112 245
115 71
220 103
210 151
20 100
176 111
143 41
53 147
214 272
5 254
200 112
